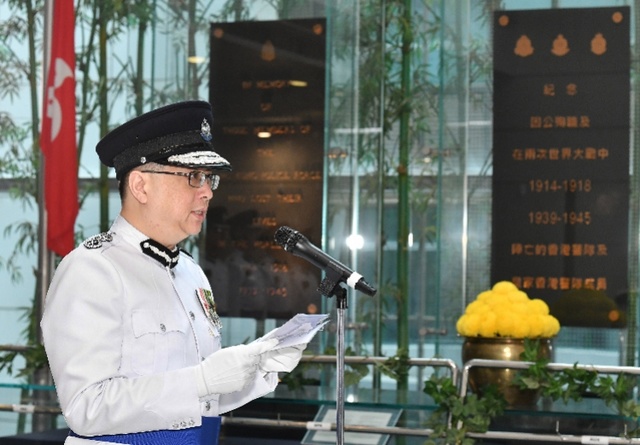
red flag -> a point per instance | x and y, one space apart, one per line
58 135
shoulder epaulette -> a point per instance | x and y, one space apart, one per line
95 242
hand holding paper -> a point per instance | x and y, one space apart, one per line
230 369
298 331
282 359
292 337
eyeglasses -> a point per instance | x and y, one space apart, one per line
197 178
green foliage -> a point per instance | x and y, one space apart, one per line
33 354
35 358
298 378
574 383
456 416
568 384
396 367
616 393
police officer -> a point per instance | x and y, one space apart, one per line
129 326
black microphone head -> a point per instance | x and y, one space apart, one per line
287 238
365 288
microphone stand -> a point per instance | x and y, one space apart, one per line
329 287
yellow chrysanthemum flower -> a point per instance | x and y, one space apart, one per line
475 307
484 296
504 287
519 296
539 307
506 311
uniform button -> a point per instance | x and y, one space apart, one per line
163 328
192 315
207 406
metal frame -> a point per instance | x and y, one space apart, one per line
357 360
558 437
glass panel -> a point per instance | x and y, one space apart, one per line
164 49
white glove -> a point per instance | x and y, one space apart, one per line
230 369
281 360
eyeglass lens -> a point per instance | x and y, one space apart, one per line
198 178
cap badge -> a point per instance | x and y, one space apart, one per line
205 130
205 296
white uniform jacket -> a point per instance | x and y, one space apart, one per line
122 333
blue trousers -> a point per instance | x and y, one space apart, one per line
207 434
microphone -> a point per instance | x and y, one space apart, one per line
296 243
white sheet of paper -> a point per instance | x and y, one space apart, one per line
299 330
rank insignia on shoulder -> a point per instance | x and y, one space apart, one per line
95 242
205 296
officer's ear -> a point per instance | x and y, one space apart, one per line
136 184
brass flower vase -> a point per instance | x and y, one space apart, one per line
501 348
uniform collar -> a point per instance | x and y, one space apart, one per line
165 256
160 253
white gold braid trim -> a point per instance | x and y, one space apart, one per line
209 158
166 257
